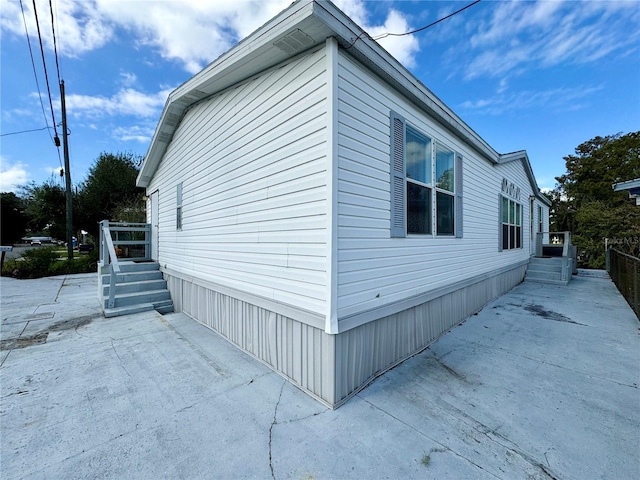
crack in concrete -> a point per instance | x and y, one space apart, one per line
512 447
119 359
457 454
296 420
273 423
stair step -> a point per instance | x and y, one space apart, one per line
133 276
546 281
543 275
131 287
541 267
127 310
134 298
127 267
163 307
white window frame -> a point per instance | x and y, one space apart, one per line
400 181
512 231
179 206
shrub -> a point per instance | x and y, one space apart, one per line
43 262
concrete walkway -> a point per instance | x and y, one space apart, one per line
542 383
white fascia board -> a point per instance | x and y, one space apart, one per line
524 158
232 67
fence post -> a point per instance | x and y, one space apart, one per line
607 260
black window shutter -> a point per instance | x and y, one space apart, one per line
499 222
398 182
458 189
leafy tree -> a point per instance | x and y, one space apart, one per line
45 208
110 189
13 218
584 202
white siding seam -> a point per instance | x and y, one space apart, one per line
303 316
331 72
355 320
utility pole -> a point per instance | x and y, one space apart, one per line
67 175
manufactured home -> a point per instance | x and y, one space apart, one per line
314 203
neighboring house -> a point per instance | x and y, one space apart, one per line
319 207
631 186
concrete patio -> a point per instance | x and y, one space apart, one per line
542 383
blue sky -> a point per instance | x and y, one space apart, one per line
540 76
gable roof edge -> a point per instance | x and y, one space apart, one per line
524 158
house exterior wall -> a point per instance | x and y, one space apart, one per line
251 162
375 270
255 256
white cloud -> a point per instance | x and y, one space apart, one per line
128 79
558 98
189 32
80 27
547 33
13 175
403 48
135 133
127 101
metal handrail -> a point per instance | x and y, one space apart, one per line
114 265
116 228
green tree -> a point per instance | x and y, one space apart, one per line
584 202
45 209
12 217
110 192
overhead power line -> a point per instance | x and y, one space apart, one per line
46 75
35 75
25 131
55 45
384 35
33 64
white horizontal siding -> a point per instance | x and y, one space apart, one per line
374 269
252 161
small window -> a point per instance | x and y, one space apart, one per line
511 224
179 206
539 218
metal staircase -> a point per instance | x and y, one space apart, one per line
128 281
551 270
139 287
555 259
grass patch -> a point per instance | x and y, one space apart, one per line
426 458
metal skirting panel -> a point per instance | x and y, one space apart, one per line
367 351
302 353
332 368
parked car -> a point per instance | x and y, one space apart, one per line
36 243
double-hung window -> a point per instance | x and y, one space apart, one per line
511 224
426 184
